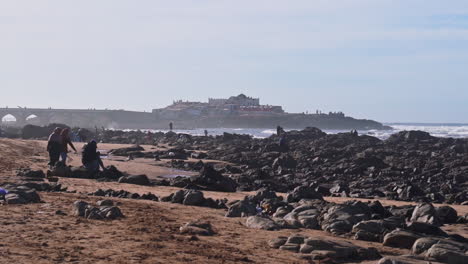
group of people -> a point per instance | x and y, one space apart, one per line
58 144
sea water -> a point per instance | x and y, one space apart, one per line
438 130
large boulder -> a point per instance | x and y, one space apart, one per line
284 161
241 208
371 230
409 136
111 173
425 228
259 222
135 179
303 192
320 248
447 253
441 249
83 209
262 194
340 218
20 194
198 227
426 213
400 239
447 214
211 179
193 197
404 260
127 151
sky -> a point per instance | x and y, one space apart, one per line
387 60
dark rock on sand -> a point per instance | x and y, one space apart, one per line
198 227
400 239
135 179
210 179
261 222
83 209
20 194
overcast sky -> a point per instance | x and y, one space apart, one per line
395 60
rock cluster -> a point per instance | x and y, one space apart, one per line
35 179
135 179
20 194
320 249
208 179
111 173
194 198
400 227
409 166
198 227
105 210
124 194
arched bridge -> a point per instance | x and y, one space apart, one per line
77 117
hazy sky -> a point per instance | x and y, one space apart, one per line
395 60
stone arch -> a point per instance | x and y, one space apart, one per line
33 119
9 119
31 116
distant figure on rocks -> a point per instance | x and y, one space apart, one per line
283 146
91 158
206 133
171 126
66 140
279 130
54 146
354 132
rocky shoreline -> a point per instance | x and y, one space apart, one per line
409 166
290 187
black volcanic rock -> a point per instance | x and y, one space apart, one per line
211 179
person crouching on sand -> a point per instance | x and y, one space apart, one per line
91 158
54 146
65 142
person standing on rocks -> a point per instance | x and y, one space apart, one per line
279 130
54 146
283 145
206 133
171 126
91 158
65 135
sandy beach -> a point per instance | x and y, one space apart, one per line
149 233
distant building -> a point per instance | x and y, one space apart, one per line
234 105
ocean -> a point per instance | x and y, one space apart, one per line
438 130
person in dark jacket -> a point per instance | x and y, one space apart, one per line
91 158
66 140
54 146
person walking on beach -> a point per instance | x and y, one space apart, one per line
91 158
54 146
66 140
